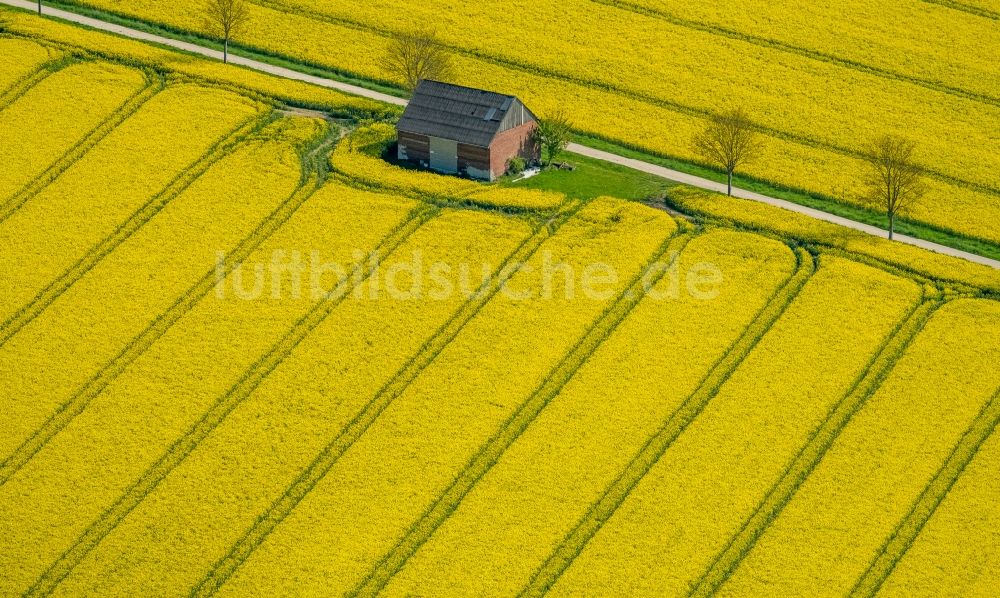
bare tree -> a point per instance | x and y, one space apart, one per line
895 180
416 55
225 19
729 141
554 134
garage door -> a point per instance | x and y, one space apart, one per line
444 155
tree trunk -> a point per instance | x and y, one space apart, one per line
729 184
225 50
39 6
892 223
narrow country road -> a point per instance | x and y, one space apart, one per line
582 150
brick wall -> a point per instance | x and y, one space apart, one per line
513 142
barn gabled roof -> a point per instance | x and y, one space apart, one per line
466 115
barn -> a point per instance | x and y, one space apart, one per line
461 130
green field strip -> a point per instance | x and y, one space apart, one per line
530 333
704 477
126 229
81 331
957 551
91 199
368 412
910 527
812 452
21 59
160 394
289 418
544 483
491 452
83 100
828 534
965 7
248 382
986 184
790 48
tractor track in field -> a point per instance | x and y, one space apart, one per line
819 442
899 542
224 405
154 85
666 173
780 46
512 429
966 8
161 324
24 85
222 148
283 506
615 89
619 490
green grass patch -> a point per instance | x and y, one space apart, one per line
594 178
826 204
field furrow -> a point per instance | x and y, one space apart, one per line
136 221
519 421
19 60
906 41
76 100
976 8
811 454
91 199
825 538
912 525
85 327
958 550
702 488
166 389
407 457
277 426
393 387
544 483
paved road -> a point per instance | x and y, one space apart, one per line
639 165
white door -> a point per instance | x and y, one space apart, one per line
444 155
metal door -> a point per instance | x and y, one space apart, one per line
444 155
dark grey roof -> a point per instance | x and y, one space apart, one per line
463 114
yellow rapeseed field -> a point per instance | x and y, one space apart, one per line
77 99
646 73
242 354
956 554
717 471
552 474
851 503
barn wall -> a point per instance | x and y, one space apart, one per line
515 142
416 148
474 161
